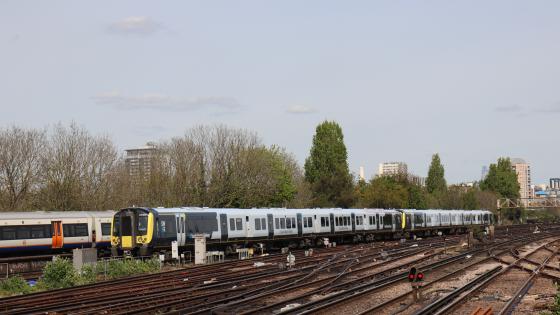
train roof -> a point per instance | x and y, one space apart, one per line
55 214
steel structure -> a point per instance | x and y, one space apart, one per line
528 203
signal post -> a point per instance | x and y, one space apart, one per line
416 278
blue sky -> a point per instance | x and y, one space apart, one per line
472 80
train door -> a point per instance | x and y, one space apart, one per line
332 223
57 240
353 216
408 218
299 225
180 233
377 221
223 227
249 232
398 222
270 222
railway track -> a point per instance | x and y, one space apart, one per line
171 286
356 299
242 288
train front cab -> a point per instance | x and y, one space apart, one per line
132 231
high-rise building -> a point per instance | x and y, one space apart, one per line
523 171
362 173
555 183
392 168
138 161
484 172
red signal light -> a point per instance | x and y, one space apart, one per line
411 277
420 276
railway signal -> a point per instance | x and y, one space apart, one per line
415 277
412 274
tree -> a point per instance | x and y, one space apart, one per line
501 179
20 154
326 168
435 183
384 192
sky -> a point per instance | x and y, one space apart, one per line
470 80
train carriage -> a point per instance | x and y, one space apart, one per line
143 230
48 231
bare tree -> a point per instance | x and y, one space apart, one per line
75 168
20 153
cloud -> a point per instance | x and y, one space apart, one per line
136 25
162 102
508 109
300 109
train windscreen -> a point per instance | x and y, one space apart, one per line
142 223
126 225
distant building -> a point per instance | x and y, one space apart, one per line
392 168
484 172
417 180
362 173
555 183
138 161
523 171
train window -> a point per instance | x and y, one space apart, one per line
304 222
105 228
239 224
310 222
7 233
126 225
359 220
143 222
23 232
116 225
167 226
288 223
257 224
75 230
183 224
38 231
282 223
263 224
388 221
322 221
232 224
277 223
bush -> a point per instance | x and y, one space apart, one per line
88 274
58 274
14 285
127 267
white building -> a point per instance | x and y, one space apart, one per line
392 168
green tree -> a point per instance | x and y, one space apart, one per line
435 183
326 168
384 192
501 179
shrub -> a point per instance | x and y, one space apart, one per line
58 274
14 285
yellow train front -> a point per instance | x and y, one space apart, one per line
133 231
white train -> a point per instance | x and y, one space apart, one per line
44 231
143 230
